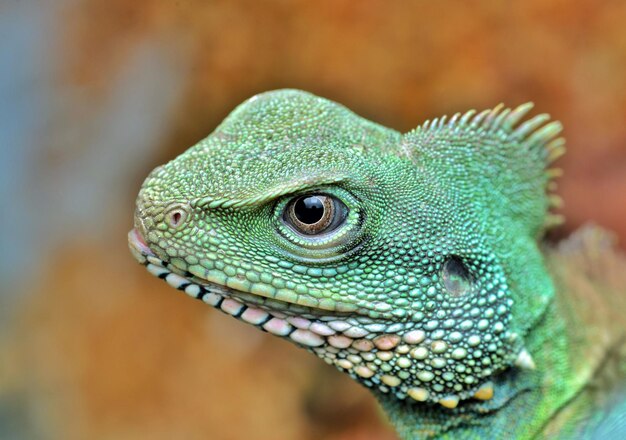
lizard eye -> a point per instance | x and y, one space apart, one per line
314 214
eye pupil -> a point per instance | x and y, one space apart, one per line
456 278
309 210
314 213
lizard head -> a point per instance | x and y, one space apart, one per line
408 261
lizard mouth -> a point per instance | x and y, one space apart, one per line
307 326
355 344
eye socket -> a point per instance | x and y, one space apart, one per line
456 278
313 214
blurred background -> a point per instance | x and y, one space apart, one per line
95 93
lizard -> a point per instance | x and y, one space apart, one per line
412 262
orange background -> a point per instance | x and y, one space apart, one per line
96 93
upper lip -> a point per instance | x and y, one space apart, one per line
138 242
141 250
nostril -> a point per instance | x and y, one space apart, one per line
176 217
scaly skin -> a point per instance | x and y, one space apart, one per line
427 285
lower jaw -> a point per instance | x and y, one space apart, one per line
324 335
338 340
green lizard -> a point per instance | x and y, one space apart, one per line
409 261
